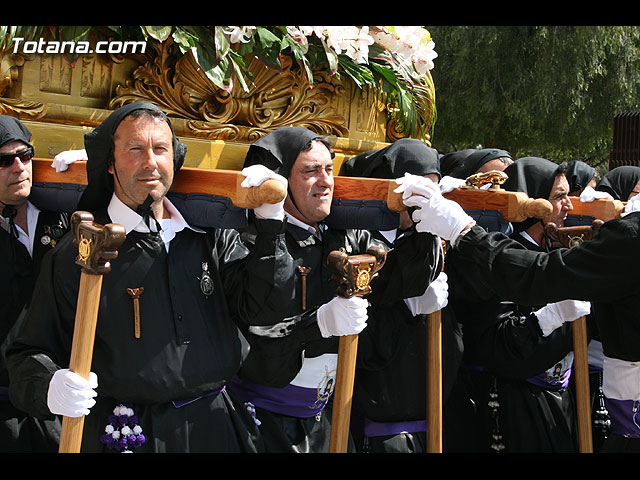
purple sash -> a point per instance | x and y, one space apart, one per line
291 400
377 429
543 380
624 417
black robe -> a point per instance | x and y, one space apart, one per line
174 375
20 432
277 352
516 379
601 270
390 388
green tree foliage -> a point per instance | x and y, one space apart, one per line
549 91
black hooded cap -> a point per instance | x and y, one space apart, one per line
406 155
12 129
450 163
579 174
620 181
99 146
471 160
279 149
535 177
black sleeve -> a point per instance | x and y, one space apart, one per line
602 269
257 279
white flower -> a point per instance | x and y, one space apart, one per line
126 431
109 429
116 434
412 43
240 34
137 429
350 40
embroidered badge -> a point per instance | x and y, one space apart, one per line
206 282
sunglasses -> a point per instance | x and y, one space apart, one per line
7 159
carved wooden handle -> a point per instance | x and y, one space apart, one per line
97 245
354 273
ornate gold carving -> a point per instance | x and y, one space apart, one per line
493 177
277 98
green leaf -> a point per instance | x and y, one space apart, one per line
159 33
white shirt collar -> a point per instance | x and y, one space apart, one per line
32 222
299 223
132 221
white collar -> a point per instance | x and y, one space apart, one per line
132 221
299 223
32 223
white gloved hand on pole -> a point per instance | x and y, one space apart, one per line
448 184
342 316
62 160
553 315
256 175
589 194
434 298
632 205
71 395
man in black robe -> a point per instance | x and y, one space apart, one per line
163 390
518 358
599 270
390 389
27 233
290 371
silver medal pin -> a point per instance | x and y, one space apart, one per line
206 282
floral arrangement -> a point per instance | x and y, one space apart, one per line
393 61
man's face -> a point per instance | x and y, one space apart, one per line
311 183
15 179
143 153
560 201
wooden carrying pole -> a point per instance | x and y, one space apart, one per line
434 382
97 246
568 237
225 183
354 274
515 206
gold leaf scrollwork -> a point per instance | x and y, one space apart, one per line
277 98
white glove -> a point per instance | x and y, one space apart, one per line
71 395
589 194
447 184
62 160
416 185
553 315
632 205
256 175
434 298
439 216
342 316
